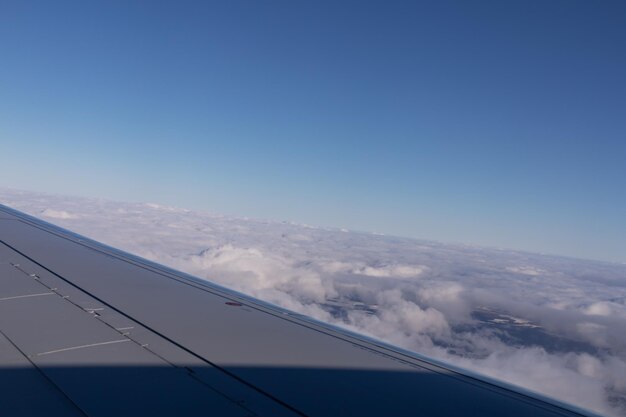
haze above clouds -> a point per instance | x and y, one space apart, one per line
551 324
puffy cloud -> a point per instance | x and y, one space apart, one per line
605 308
380 271
550 324
403 271
251 270
57 214
525 270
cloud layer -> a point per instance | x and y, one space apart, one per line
551 324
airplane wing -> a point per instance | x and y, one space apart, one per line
88 330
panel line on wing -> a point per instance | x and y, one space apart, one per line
26 296
82 347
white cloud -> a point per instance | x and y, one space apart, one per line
57 214
525 270
605 308
403 271
249 269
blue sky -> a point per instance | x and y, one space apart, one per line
493 123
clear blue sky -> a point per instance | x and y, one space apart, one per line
500 123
